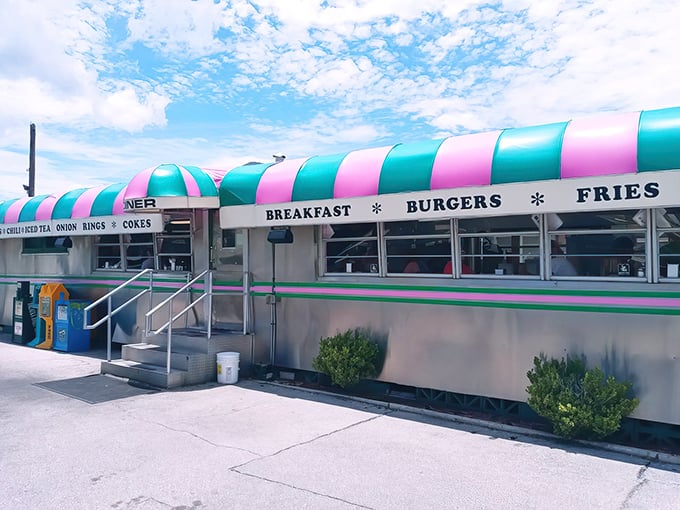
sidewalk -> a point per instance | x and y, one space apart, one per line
265 445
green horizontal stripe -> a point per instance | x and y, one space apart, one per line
166 181
30 208
105 200
408 167
64 206
659 140
239 186
316 179
528 154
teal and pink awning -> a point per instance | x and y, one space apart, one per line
171 186
79 203
592 147
614 161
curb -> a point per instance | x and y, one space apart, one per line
647 455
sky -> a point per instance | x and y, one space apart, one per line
117 86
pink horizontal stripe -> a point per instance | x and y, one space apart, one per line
276 183
469 296
600 146
83 204
139 184
359 173
189 182
14 210
44 210
464 161
216 174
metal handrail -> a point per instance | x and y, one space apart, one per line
110 313
207 293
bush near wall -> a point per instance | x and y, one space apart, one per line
580 403
347 357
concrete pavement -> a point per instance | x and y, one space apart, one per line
260 445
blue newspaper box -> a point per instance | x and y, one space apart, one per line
69 335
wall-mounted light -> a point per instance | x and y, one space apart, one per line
280 236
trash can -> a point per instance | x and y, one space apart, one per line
22 325
69 334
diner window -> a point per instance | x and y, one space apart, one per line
418 247
139 252
40 245
500 246
350 248
668 239
108 252
173 245
608 244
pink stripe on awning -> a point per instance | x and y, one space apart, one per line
217 175
276 183
192 186
139 184
83 204
119 202
359 173
600 146
44 210
464 161
14 210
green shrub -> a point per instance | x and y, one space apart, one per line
347 357
580 403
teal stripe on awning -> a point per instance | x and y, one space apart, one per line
408 167
316 179
659 140
64 206
166 181
239 186
528 154
31 207
3 208
205 182
103 204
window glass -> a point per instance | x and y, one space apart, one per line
668 226
173 245
35 245
108 252
418 246
598 244
501 246
350 248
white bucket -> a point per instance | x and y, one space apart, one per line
227 367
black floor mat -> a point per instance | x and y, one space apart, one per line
95 389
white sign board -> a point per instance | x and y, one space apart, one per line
629 191
96 225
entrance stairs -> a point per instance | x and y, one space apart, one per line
193 358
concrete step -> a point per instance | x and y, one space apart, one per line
156 355
154 375
198 342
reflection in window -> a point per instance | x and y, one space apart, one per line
598 244
351 248
173 245
108 252
418 246
668 228
504 246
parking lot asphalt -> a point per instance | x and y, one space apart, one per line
68 445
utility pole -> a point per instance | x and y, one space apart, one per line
30 189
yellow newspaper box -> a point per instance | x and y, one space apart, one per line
49 294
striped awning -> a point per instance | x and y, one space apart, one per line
589 148
171 186
68 214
